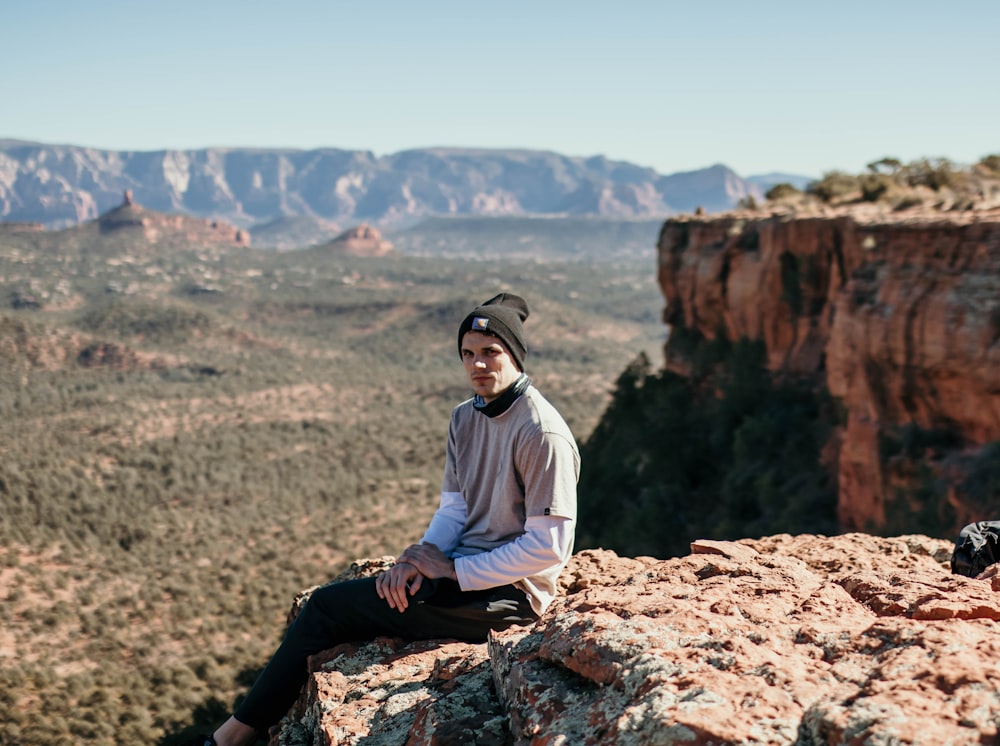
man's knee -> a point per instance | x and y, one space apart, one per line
346 594
344 610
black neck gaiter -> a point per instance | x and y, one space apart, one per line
503 402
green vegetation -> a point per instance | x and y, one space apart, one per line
934 182
188 438
152 320
725 454
990 164
919 508
913 442
781 191
921 463
834 186
917 504
982 485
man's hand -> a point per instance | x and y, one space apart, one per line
429 560
393 584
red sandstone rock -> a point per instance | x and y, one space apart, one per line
362 240
900 318
20 227
850 639
156 228
435 693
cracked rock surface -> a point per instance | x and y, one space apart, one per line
852 639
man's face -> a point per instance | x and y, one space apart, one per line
489 365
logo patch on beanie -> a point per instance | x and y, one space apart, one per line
479 323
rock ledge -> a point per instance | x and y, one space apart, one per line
852 639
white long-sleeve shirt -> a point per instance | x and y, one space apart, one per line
545 541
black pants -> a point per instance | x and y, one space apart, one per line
353 612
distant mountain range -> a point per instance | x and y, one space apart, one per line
61 185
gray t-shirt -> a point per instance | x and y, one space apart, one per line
519 464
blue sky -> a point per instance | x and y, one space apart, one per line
802 87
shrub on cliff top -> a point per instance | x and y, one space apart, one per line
990 164
891 180
875 187
835 186
935 173
781 191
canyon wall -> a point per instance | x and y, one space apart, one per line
899 318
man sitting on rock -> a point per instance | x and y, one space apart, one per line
492 553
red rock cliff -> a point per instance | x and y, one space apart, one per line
899 318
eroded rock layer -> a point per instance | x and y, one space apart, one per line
899 318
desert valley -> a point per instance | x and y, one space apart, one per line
786 408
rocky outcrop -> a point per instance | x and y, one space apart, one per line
899 317
361 240
803 640
151 227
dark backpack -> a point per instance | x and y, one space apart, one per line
977 548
